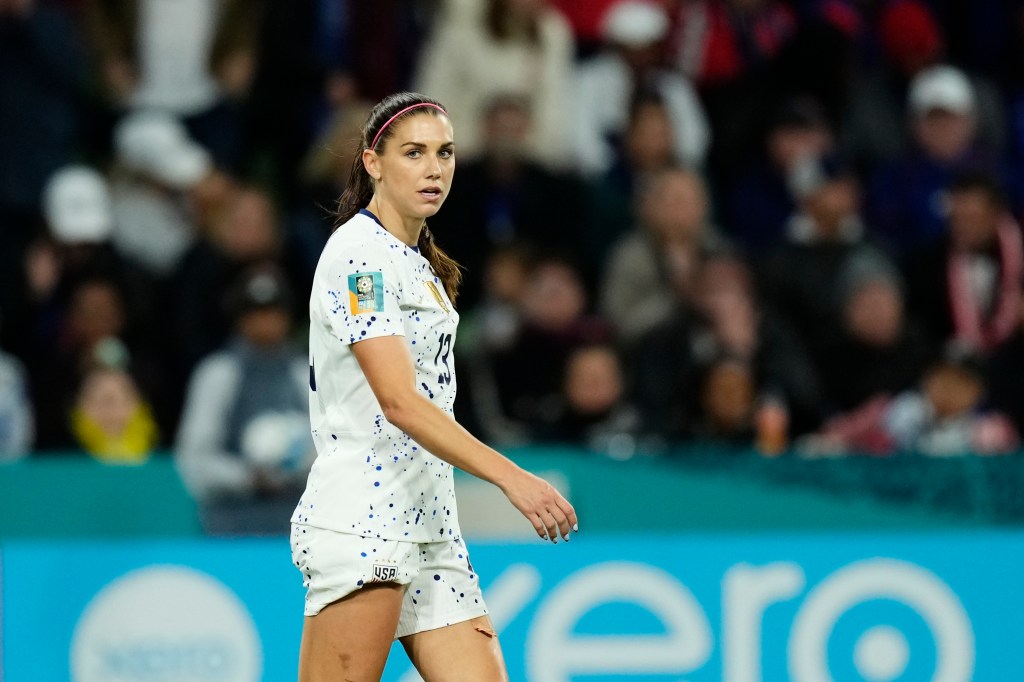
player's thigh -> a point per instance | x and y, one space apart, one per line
350 638
462 652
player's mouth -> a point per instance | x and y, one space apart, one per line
432 193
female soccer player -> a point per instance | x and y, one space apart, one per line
376 533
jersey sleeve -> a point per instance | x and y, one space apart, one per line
361 293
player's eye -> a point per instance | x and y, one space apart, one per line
446 153
414 153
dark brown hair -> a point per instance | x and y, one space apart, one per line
359 189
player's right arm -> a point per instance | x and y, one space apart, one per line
388 368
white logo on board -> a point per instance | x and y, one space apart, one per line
166 624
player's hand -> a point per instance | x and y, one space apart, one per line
542 505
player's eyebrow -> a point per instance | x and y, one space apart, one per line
423 145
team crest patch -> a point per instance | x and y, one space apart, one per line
383 573
366 292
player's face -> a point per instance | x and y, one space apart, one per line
417 165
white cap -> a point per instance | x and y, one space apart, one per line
634 23
941 87
76 205
157 144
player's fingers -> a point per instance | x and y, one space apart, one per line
569 511
561 519
552 525
538 526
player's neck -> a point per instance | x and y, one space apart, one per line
406 229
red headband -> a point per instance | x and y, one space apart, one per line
408 108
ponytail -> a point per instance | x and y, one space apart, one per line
357 194
359 189
443 265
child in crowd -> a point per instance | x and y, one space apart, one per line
110 419
944 416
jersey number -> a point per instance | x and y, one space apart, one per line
444 348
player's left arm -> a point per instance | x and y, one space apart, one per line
388 367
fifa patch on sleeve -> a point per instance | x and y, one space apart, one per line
366 292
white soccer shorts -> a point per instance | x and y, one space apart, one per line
442 587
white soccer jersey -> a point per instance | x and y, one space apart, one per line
369 477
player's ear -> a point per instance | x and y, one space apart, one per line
371 162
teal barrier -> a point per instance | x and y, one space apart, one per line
716 491
686 490
977 489
63 497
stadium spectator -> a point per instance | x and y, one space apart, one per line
17 425
906 200
314 63
72 291
41 112
193 60
585 17
968 286
503 197
718 317
210 99
160 170
302 80
592 411
245 232
96 329
760 202
801 279
243 447
821 57
1005 370
727 404
729 49
910 41
76 244
555 321
321 179
737 325
607 84
110 420
494 321
486 330
647 148
944 416
878 350
723 41
660 255
482 49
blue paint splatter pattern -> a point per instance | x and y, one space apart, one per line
370 478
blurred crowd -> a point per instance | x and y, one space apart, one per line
789 225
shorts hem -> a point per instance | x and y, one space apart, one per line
341 595
453 618
330 600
